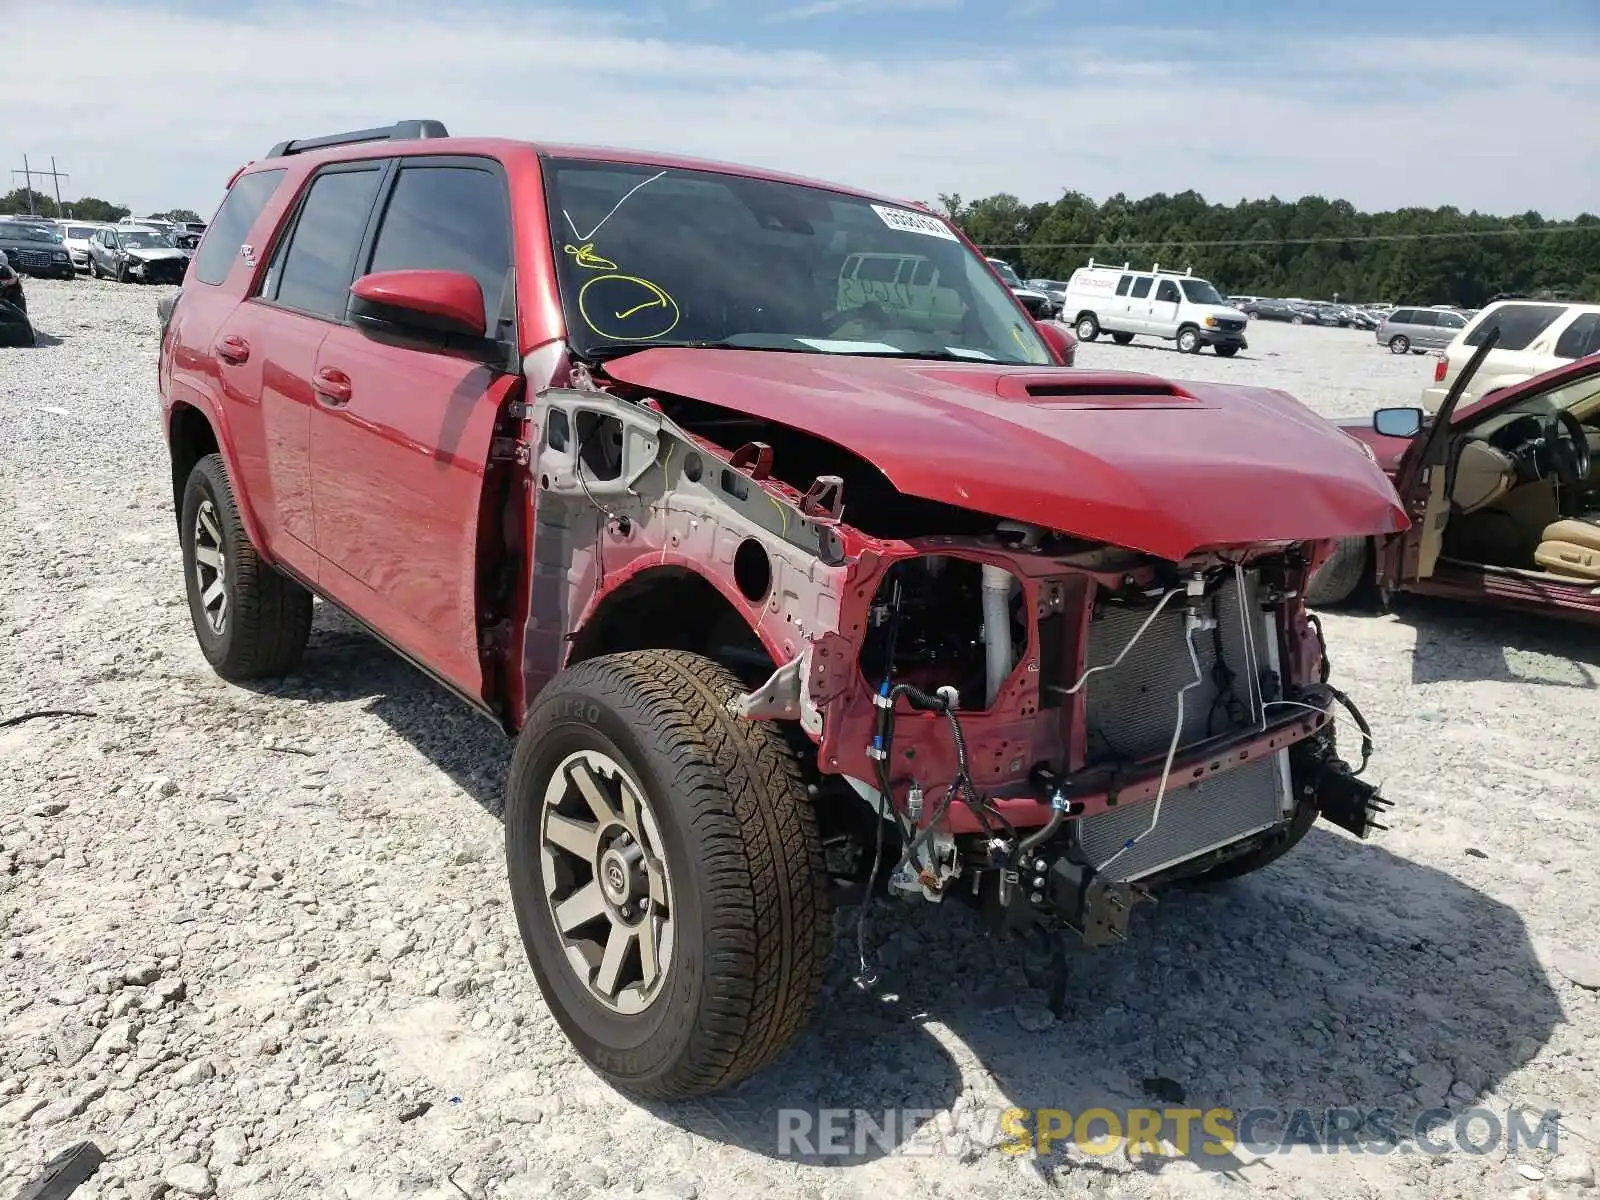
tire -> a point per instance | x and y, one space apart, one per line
1226 351
94 269
1188 340
1297 319
1338 579
1087 328
1399 344
1122 339
260 625
738 858
122 272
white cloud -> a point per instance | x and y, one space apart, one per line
183 98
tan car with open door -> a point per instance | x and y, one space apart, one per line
1502 493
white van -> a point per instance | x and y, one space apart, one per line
1126 303
1535 336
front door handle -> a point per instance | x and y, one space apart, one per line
233 349
332 385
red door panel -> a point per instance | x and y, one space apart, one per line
265 357
399 441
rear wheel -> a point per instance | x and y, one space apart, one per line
251 621
1122 339
667 873
1399 344
1088 328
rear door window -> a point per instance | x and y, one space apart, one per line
1519 325
1424 317
1141 287
313 269
240 208
1402 316
1581 338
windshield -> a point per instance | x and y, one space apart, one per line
80 233
647 256
27 233
1198 291
144 241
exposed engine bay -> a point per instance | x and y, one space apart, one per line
1046 727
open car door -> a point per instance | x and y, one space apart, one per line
1423 482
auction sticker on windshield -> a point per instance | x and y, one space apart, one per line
914 222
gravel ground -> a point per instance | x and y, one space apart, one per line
258 943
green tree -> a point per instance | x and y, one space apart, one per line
17 201
92 208
178 214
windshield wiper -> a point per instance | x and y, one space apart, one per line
608 353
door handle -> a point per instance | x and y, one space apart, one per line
332 385
233 349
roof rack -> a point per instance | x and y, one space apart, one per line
400 131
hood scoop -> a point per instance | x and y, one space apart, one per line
1093 389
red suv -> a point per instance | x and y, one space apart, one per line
795 554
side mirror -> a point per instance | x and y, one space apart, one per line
1063 344
1398 422
428 306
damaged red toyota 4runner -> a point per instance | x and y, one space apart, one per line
794 553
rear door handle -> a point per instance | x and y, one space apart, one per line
233 349
332 385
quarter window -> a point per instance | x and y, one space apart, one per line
240 208
314 271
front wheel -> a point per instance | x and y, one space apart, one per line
1122 339
1399 344
1189 341
1297 319
1227 351
251 622
666 871
1088 328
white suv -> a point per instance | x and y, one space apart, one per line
1535 336
1126 303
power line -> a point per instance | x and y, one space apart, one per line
1311 241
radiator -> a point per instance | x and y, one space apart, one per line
1130 712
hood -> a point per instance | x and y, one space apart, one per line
155 253
1116 457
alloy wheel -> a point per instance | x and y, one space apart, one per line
210 566
606 881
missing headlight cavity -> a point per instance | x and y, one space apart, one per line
600 444
752 570
940 636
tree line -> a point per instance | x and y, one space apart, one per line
89 208
1311 248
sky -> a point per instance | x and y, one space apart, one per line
1481 104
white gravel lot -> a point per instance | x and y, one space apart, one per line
258 943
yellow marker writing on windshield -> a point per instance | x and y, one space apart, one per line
585 256
609 314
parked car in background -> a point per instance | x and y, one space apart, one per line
131 252
1038 303
187 235
1535 337
76 236
11 284
1296 312
35 248
1416 330
1179 308
1056 289
1502 493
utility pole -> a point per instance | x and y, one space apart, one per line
28 173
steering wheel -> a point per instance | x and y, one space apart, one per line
1569 454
